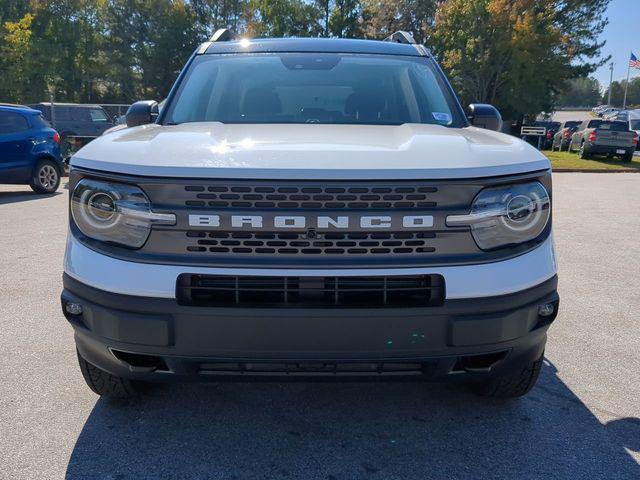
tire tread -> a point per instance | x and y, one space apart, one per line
516 384
103 383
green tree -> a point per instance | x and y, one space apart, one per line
283 18
617 93
580 92
384 17
211 15
16 43
345 20
147 43
516 54
325 7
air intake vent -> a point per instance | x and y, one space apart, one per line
343 292
330 243
316 197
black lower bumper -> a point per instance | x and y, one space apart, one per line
607 149
157 339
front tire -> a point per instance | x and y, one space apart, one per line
45 177
513 385
105 384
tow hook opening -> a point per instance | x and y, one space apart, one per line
138 362
478 363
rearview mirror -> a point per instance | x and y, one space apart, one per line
141 113
486 116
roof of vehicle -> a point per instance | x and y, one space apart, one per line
315 45
18 108
79 105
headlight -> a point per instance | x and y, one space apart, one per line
506 215
115 212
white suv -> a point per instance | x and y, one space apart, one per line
310 207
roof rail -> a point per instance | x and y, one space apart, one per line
224 35
400 37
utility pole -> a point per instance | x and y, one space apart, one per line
610 82
626 86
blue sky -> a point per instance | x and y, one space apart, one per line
622 36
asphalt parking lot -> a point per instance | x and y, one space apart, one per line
581 421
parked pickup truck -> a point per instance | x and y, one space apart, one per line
604 137
562 137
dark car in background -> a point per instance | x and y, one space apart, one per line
562 138
29 150
77 123
552 128
547 139
604 137
634 125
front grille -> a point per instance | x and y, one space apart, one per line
348 243
345 292
332 197
270 245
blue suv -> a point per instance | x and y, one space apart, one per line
29 150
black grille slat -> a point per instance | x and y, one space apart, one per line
312 197
355 243
322 292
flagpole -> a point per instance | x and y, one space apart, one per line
626 87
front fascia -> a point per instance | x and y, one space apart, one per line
152 280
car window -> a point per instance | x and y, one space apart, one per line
594 123
635 124
614 126
39 121
98 115
61 113
11 122
572 124
80 114
312 88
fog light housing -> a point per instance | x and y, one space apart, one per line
546 310
73 308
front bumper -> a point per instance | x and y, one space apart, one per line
151 338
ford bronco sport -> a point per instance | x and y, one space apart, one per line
310 207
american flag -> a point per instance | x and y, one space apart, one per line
634 62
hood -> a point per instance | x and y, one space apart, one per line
309 151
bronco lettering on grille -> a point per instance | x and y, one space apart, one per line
318 222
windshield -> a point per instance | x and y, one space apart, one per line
313 88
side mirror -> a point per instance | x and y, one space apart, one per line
486 116
141 113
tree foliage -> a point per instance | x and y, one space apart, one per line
518 54
383 17
617 93
580 92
